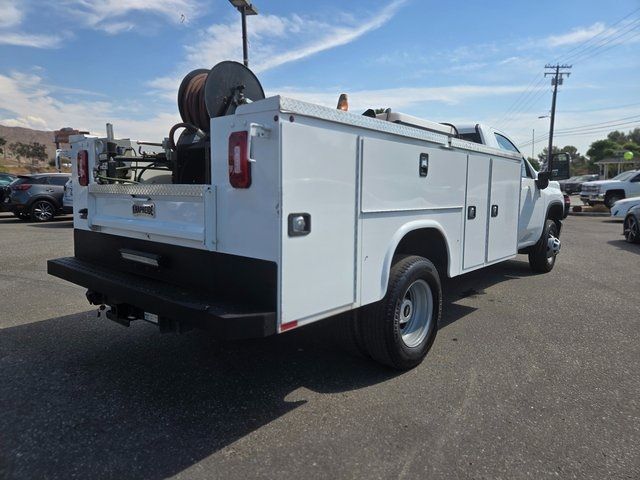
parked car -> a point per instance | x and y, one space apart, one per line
38 197
67 198
621 207
574 184
631 227
625 185
5 180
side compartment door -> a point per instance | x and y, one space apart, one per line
504 202
475 213
319 181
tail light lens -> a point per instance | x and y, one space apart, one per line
83 168
21 187
239 165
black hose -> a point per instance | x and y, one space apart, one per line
188 126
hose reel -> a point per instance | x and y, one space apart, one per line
206 94
203 95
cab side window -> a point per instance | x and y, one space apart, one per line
505 143
525 170
636 178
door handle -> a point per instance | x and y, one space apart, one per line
494 210
471 212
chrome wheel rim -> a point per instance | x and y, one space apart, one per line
416 313
553 246
43 211
631 230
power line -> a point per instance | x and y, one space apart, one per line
618 34
594 41
596 53
600 109
591 131
586 49
528 144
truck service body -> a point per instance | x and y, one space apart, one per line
308 212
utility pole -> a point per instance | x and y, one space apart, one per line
557 79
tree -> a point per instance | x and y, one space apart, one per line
617 136
601 149
634 136
3 142
34 151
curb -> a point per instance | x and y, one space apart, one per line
590 214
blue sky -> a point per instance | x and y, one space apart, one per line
82 63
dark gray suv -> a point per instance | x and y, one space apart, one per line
37 197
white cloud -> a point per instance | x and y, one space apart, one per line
28 40
28 102
11 15
115 16
274 41
576 35
401 97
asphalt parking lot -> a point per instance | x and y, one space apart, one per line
531 376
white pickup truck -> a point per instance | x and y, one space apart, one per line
624 185
281 213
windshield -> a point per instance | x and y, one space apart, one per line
625 175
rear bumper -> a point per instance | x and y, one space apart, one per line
199 309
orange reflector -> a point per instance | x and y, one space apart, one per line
343 103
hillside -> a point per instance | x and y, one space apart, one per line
24 135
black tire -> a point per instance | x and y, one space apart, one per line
631 229
611 199
348 333
541 257
381 324
42 211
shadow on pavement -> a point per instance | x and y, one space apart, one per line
626 246
475 283
55 223
82 397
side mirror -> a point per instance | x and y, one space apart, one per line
560 166
542 181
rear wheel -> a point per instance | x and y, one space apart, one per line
400 329
42 211
631 229
542 257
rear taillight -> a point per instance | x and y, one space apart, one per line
21 187
83 168
239 166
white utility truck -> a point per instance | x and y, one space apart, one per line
269 214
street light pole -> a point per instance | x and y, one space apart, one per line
245 47
245 8
533 141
